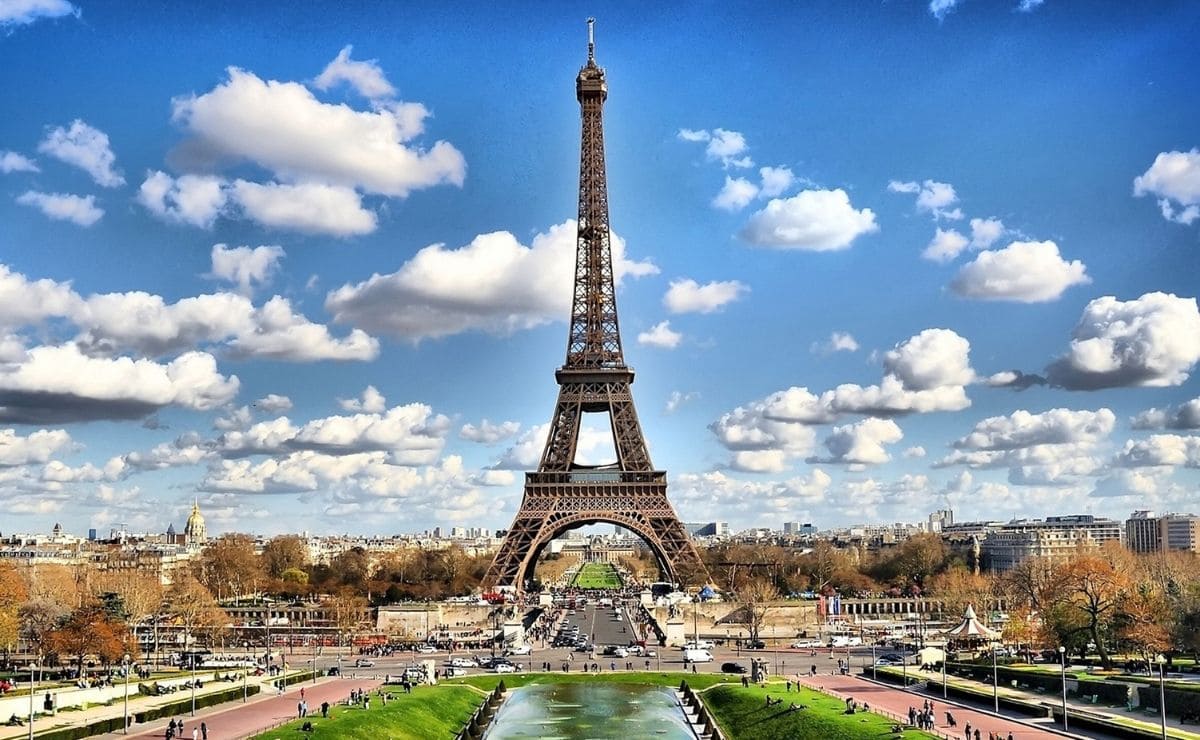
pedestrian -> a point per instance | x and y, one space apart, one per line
195 733
693 667
1010 735
300 709
302 692
324 710
366 702
977 736
967 732
203 731
789 686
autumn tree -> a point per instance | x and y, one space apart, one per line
958 587
346 609
756 596
283 553
229 567
1094 588
192 605
89 630
12 595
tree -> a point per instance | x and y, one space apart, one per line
193 606
1094 587
89 630
37 619
12 594
756 596
959 587
347 609
228 566
283 553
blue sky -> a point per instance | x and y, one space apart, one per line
311 265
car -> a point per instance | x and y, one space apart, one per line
454 671
699 645
519 650
504 668
463 663
754 645
415 673
733 668
364 663
697 656
807 644
426 649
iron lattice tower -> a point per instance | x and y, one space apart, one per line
563 494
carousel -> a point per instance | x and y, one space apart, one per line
970 634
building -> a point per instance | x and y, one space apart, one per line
940 519
799 529
194 532
1056 537
1145 532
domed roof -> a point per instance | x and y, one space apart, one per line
195 522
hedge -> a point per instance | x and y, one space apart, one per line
1179 701
1110 693
202 700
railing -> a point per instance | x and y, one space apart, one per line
482 718
691 702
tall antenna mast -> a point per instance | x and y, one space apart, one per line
591 40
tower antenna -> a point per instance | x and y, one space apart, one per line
591 40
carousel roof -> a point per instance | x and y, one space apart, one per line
971 627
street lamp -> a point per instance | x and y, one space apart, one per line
1162 699
873 677
125 663
944 669
32 691
245 672
995 683
193 661
1062 660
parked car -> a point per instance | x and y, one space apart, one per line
807 644
504 668
698 645
364 663
454 671
733 668
755 645
697 656
426 649
463 663
519 650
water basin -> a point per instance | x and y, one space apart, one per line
590 711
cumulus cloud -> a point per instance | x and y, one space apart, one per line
727 147
14 162
1026 272
24 12
526 451
945 246
245 266
1028 6
774 181
55 384
839 341
1153 340
715 493
678 399
1174 178
985 232
1160 450
934 198
371 401
488 433
310 208
364 76
1184 416
279 333
494 284
24 301
660 335
283 128
861 443
916 451
86 148
80 210
196 200
736 194
273 403
817 220
688 296
38 447
1025 429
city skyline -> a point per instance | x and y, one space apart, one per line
314 271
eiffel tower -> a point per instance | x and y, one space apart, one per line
562 494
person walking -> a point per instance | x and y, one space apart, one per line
203 731
195 733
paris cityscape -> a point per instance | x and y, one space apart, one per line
290 445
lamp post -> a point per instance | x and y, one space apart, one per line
125 663
1162 699
32 691
873 678
193 661
995 683
1062 660
944 670
245 673
314 665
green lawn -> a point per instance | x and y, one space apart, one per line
597 575
428 712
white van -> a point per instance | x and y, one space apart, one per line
697 656
841 641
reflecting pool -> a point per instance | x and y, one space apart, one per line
590 711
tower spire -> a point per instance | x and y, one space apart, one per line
591 41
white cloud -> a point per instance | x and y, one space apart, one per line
23 301
273 403
688 296
945 246
245 266
1184 416
660 335
62 384
687 134
839 341
677 399
488 433
281 334
1028 6
310 208
1160 450
985 232
940 8
861 443
24 12
1153 340
238 418
775 180
371 402
190 199
935 358
494 284
366 77
85 147
933 197
916 451
526 451
14 162
1175 178
1026 272
727 147
283 128
817 220
1141 483
736 194
1024 429
38 447
82 211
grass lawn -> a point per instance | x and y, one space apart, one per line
597 575
428 712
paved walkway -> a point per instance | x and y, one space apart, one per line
896 702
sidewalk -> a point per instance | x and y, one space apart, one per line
1150 722
896 701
